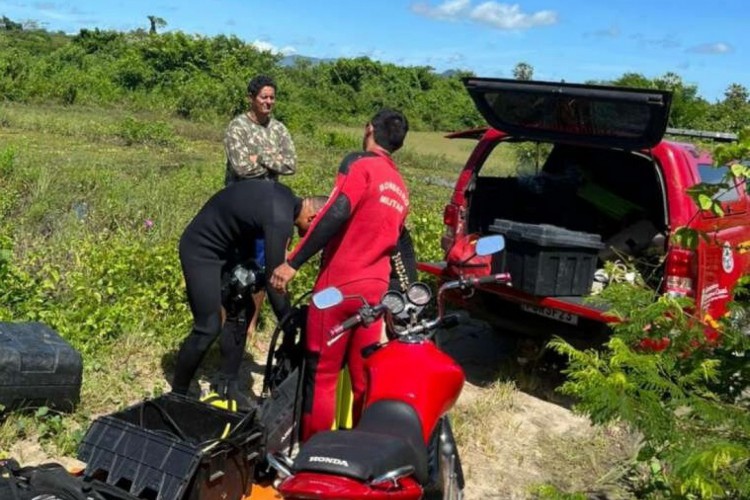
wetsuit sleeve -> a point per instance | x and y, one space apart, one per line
351 185
276 234
403 263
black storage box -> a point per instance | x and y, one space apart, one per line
548 260
174 448
38 367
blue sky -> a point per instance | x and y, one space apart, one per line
705 42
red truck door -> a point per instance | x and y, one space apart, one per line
725 259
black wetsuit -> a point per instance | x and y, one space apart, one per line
232 219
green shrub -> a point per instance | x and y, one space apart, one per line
154 133
338 140
104 286
683 399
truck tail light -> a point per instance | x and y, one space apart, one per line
450 219
680 272
450 215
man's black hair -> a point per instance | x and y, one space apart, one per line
297 206
318 202
258 82
390 127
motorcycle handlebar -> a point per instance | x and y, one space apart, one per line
346 325
448 321
366 315
493 278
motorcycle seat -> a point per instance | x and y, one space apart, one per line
388 436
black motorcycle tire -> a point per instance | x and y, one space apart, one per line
450 464
446 472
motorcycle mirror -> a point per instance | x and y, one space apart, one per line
488 245
327 298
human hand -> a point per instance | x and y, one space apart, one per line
281 276
253 159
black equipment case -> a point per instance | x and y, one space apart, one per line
38 367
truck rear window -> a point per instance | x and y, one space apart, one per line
711 174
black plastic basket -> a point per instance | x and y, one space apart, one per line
547 260
173 448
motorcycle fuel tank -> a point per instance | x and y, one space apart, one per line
418 374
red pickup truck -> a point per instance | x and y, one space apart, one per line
576 175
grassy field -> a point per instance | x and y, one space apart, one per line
453 152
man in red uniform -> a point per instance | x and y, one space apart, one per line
358 230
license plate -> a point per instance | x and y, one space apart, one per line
550 313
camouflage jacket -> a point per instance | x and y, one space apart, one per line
272 144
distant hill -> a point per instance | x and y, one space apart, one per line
450 72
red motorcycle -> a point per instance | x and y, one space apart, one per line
403 446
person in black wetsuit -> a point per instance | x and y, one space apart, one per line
234 217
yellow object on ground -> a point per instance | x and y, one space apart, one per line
344 399
262 493
214 399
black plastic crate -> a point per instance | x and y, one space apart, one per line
38 367
174 448
547 260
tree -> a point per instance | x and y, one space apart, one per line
736 94
635 80
523 71
156 22
734 111
8 25
688 109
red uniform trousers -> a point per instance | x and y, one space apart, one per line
324 362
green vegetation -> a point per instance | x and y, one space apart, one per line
204 78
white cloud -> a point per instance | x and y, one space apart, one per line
269 47
510 17
711 48
506 17
448 10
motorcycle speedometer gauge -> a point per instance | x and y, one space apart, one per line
419 294
394 301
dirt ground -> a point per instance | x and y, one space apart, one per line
514 440
514 432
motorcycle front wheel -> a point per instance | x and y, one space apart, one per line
446 473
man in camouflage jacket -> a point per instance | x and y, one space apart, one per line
257 145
